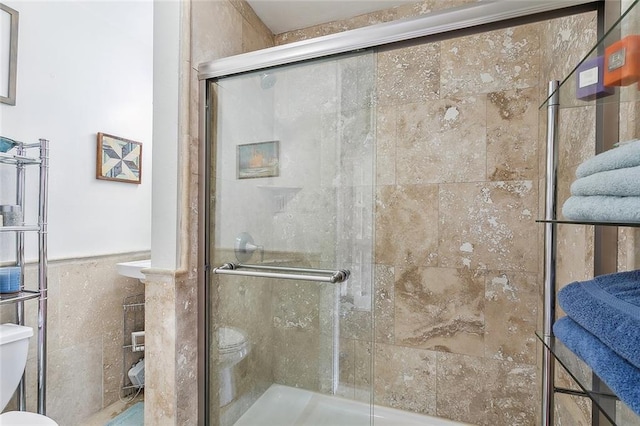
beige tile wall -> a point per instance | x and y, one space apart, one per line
84 338
457 250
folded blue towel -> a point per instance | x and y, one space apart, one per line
620 183
600 207
626 155
622 377
609 308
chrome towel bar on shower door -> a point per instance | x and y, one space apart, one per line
283 272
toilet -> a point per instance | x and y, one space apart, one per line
233 347
14 347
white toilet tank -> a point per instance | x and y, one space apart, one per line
14 346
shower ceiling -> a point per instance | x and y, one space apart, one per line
286 15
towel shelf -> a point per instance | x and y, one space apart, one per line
588 222
581 373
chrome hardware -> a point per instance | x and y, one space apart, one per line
281 272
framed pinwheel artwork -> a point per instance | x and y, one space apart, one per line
118 159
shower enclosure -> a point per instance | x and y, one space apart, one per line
293 197
327 174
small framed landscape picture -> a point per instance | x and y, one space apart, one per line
119 159
258 160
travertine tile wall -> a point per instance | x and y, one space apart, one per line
84 343
458 172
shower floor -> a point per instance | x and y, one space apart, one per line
286 406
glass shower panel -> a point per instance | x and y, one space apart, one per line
292 181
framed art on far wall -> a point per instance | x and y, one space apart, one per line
258 160
118 159
8 54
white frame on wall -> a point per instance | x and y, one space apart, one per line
8 54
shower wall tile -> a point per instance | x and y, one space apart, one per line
355 323
300 356
255 39
485 392
364 373
295 306
512 393
409 74
576 133
407 225
384 314
426 6
441 141
335 26
510 316
512 135
488 226
491 61
386 145
566 42
405 378
440 309
226 40
346 369
575 253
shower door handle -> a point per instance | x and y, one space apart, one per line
284 272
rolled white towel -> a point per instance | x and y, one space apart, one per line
626 155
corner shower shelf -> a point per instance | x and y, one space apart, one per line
590 222
582 374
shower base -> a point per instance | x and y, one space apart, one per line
286 406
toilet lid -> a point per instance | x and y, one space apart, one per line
20 418
229 337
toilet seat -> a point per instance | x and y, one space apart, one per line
24 418
230 339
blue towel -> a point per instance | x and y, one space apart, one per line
626 155
609 308
600 207
622 377
620 183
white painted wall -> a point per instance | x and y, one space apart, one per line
84 67
166 101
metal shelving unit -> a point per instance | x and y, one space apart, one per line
560 96
20 160
132 352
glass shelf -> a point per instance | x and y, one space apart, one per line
18 297
582 374
15 159
590 222
24 228
627 24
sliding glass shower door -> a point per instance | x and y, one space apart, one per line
291 242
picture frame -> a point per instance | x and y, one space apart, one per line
8 54
258 160
118 159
